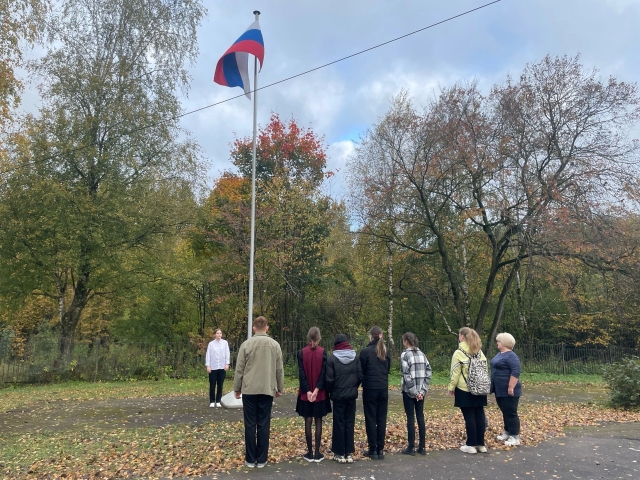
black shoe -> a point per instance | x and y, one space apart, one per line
372 454
409 451
308 457
380 455
421 451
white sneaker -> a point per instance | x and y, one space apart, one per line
349 459
212 405
503 437
512 442
481 449
219 405
468 449
340 458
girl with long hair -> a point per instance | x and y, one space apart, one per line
471 406
312 398
375 362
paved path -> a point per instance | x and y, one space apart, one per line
609 451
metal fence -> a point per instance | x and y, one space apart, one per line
37 361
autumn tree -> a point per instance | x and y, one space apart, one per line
21 22
498 172
292 224
103 176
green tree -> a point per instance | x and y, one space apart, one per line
103 176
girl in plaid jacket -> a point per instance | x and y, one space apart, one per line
416 376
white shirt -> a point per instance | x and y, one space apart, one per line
217 354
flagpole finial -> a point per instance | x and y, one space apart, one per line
256 13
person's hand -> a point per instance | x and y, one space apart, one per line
237 395
226 367
310 396
208 369
452 394
510 391
420 396
278 394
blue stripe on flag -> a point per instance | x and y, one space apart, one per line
231 72
253 34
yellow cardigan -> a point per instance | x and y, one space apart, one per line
460 368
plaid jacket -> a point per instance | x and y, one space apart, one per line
416 372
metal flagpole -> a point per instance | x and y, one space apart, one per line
253 189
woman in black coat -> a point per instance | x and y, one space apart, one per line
375 362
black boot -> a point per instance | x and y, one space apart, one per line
409 451
371 453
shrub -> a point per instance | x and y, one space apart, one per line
623 381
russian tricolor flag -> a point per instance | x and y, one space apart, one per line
232 69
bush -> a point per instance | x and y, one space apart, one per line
623 381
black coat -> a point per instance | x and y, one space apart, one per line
342 380
375 371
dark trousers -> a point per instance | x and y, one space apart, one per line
412 405
509 408
257 423
375 404
216 378
476 423
344 423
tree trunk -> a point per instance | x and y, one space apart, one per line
500 307
71 317
390 297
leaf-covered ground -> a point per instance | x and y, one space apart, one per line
188 449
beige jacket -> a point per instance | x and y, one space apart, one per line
259 368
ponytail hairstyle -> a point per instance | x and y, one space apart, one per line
381 349
411 340
314 336
472 338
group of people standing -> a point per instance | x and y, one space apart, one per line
331 384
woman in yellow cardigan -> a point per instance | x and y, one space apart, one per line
472 406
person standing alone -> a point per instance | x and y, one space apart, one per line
217 363
259 377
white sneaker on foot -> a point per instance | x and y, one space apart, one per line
481 449
468 449
349 459
503 437
340 458
212 405
219 405
512 442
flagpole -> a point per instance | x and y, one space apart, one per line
253 190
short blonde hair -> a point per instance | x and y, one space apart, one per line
506 339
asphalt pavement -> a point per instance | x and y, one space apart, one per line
608 451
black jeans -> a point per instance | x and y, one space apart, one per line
475 422
216 378
375 402
257 424
509 408
412 405
344 422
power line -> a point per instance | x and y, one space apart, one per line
151 125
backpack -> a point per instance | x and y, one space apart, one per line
478 381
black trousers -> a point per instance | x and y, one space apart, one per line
375 404
412 405
475 422
216 378
257 424
509 408
344 423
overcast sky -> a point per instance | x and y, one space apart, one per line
343 100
